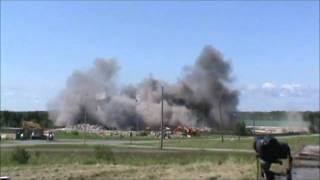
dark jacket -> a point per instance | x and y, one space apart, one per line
270 150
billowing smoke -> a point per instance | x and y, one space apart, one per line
294 119
200 98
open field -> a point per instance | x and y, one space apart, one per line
80 162
208 141
80 135
189 158
70 135
135 156
193 171
295 142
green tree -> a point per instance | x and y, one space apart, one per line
240 129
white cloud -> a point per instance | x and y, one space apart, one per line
268 86
284 90
287 96
291 86
292 90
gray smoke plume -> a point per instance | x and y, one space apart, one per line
200 98
203 90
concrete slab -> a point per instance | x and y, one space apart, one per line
306 163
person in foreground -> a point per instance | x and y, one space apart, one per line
269 150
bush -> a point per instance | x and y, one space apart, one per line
20 155
103 153
144 133
75 133
240 129
313 118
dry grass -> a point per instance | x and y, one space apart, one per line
104 171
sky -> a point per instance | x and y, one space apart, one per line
273 47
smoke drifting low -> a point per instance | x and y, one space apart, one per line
200 98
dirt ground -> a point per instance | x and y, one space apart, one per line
103 171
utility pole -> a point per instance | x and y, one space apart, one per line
138 128
222 140
85 127
85 121
137 123
161 146
254 127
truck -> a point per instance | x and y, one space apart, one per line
33 131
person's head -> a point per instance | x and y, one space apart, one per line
263 141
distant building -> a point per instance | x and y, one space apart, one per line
9 132
277 130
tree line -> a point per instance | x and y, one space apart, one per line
314 119
15 118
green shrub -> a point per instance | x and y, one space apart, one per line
103 153
20 155
240 129
75 133
144 133
89 161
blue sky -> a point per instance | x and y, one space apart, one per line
273 46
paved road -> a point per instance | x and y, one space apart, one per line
63 142
115 143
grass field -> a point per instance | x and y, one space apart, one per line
202 171
67 161
126 164
295 142
73 135
69 154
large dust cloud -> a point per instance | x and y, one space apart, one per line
201 97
